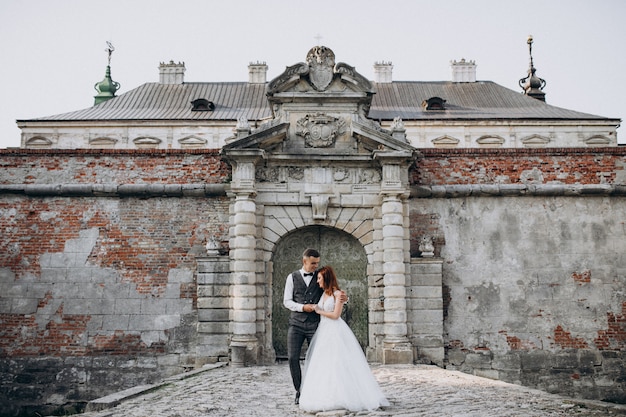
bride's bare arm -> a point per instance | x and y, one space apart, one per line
336 312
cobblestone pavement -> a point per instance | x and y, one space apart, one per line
412 390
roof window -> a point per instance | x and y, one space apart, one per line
434 103
202 104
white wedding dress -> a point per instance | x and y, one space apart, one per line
336 374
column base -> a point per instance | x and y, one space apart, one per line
396 353
244 352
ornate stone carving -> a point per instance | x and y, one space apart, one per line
290 76
341 174
398 131
349 73
426 247
319 203
243 127
296 173
320 130
267 174
319 71
369 176
212 246
321 61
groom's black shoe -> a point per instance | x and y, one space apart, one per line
297 397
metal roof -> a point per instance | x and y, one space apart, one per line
155 101
464 101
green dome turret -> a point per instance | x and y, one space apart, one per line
107 87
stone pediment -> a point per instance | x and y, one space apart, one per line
320 112
267 137
323 135
320 74
372 138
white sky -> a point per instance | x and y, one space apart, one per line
53 51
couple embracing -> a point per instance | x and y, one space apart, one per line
336 374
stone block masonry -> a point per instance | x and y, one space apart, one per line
105 279
534 271
98 291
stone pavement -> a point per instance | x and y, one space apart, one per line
412 390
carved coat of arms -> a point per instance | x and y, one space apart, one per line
321 61
320 130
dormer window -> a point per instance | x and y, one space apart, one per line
434 103
202 104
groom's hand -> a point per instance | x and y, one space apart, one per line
308 308
343 297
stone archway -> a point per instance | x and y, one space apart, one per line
347 257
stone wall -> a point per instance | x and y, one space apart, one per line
534 290
105 280
98 270
534 265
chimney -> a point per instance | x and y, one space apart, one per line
257 73
383 72
463 71
172 73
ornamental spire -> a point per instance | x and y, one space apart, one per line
107 87
532 84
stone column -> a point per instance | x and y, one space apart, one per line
244 343
394 190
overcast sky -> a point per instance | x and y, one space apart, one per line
53 51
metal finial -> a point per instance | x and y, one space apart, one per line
530 48
318 38
532 84
109 49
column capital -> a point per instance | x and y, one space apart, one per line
405 157
235 156
244 162
395 166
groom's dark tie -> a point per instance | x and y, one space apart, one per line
308 274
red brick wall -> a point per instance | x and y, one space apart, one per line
507 166
154 166
139 242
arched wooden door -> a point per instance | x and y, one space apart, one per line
347 257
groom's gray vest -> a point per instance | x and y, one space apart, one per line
305 295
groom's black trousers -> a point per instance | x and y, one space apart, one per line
296 335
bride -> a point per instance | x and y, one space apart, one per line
336 373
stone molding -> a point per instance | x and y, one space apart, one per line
210 190
516 190
116 190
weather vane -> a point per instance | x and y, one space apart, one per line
109 49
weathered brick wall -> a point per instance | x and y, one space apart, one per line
96 283
100 248
534 272
521 166
109 166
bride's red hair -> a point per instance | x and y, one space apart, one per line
329 280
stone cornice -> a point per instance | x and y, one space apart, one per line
116 190
517 190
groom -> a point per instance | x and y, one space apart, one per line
302 293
